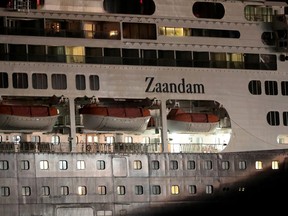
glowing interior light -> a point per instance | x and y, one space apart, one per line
113 33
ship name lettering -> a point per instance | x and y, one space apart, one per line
181 87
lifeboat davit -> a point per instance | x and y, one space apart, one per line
183 122
115 118
27 118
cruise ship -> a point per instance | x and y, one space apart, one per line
143 107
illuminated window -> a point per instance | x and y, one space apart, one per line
100 164
4 165
45 191
80 164
209 189
101 190
26 191
104 213
55 140
128 139
275 165
63 165
82 190
258 165
137 164
5 191
174 189
44 165
121 190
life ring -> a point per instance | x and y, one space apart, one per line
88 148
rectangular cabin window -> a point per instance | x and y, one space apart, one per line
59 81
208 165
56 54
149 57
271 87
275 165
191 165
156 189
166 58
37 53
121 190
94 55
82 190
284 87
259 165
209 189
139 31
192 189
175 189
80 82
130 57
137 164
45 191
173 165
94 82
155 165
3 80
63 165
3 51
20 80
17 52
112 56
201 59
39 81
75 54
184 58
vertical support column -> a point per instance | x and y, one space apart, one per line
164 135
72 135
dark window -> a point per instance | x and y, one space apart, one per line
285 118
173 165
80 82
36 53
39 81
251 61
183 58
139 31
112 56
59 81
255 87
273 118
271 88
130 56
201 59
94 55
94 82
191 165
138 189
3 80
155 165
20 80
209 10
149 57
156 189
166 58
17 52
284 87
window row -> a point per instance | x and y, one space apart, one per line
149 57
273 118
270 86
40 81
137 165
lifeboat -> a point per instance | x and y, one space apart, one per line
27 118
115 118
183 122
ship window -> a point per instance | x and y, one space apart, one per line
16 139
4 165
130 56
139 189
258 165
275 165
268 62
128 139
173 165
39 81
175 189
20 80
218 60
44 165
156 189
80 165
55 140
149 57
209 189
201 59
75 54
271 88
254 87
184 58
166 58
94 55
64 190
192 189
35 139
284 87
235 60
63 165
139 31
101 190
137 165
208 165
37 53
59 81
5 191
155 165
45 191
121 190
258 13
252 61
225 165
104 213
82 190
17 52
273 118
146 140
145 7
25 165
268 38
112 56
191 165
56 54
80 82
3 80
26 191
110 139
242 165
209 10
100 164
94 82
285 118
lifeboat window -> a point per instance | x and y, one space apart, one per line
45 191
225 165
3 80
175 189
273 118
208 165
137 165
44 165
284 87
155 165
121 190
192 189
80 165
191 165
63 165
5 191
209 10
94 82
82 190
242 165
64 190
145 7
173 165
59 81
80 82
20 80
26 191
100 164
275 165
254 87
25 165
259 165
156 189
258 13
271 87
209 189
139 189
39 81
4 165
102 190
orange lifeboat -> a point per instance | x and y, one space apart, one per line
183 122
27 118
115 118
